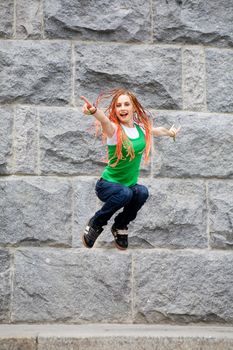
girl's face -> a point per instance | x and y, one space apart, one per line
124 110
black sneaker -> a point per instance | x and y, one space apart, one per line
120 237
91 234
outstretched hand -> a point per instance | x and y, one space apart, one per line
174 131
88 107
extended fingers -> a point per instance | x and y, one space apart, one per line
174 129
177 130
88 103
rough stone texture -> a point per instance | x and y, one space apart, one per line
153 73
18 343
71 286
183 287
26 141
29 19
85 205
68 143
118 20
173 217
202 149
6 15
35 211
196 21
6 129
136 343
194 88
5 286
35 72
219 76
221 214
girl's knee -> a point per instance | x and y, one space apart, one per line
143 192
126 194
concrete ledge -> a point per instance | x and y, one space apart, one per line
113 336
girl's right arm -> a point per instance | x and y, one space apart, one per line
107 126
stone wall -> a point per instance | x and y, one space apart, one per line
177 56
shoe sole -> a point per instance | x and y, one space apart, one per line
119 247
84 243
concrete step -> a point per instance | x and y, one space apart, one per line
115 336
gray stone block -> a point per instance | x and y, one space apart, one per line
7 17
153 73
71 286
196 21
35 211
219 76
29 19
85 205
110 20
68 144
183 287
6 130
173 217
221 214
194 86
35 72
26 141
202 149
5 286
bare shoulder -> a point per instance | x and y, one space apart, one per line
114 125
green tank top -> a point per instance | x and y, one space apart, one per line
126 171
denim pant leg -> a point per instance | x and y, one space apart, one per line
140 195
114 195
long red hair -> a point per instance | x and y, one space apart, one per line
141 117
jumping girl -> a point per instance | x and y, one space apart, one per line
128 129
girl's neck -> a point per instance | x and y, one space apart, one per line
129 125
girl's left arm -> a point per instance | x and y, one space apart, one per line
161 131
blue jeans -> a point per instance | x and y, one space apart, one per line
117 196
